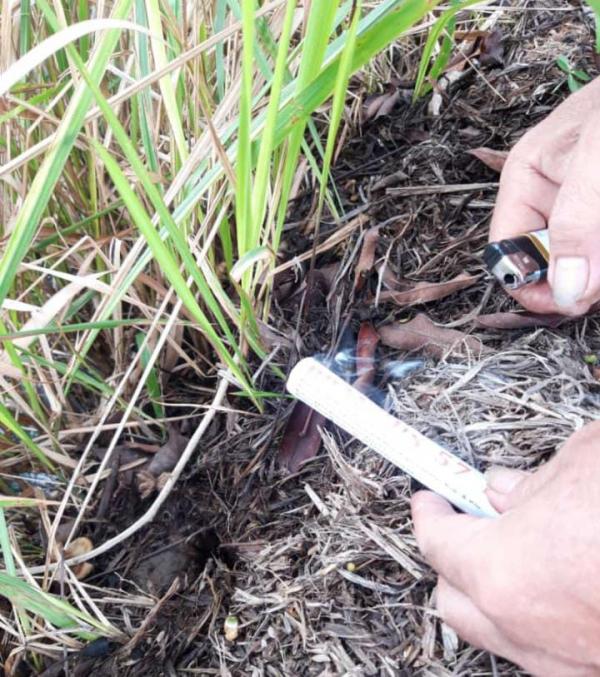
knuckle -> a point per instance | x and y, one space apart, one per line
568 232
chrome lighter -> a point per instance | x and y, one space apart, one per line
519 260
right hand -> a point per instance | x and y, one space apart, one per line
523 585
551 179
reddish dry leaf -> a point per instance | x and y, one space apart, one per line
492 48
494 159
271 338
388 278
422 334
167 456
366 345
367 257
519 320
301 439
424 292
383 104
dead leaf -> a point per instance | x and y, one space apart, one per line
167 456
271 338
491 48
494 159
422 334
366 345
425 292
301 439
284 284
382 104
367 257
389 180
389 279
80 546
163 461
518 320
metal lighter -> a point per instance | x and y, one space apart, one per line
519 260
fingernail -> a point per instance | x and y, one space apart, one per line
570 280
502 480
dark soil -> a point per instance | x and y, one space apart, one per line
320 567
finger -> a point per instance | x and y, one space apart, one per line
474 627
469 623
524 203
507 488
445 537
538 298
525 197
500 483
574 226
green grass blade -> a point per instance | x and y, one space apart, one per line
165 258
49 172
8 422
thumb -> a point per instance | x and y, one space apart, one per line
574 226
508 488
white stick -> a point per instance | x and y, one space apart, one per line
420 457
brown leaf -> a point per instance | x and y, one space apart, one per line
382 104
424 292
316 285
80 546
422 334
492 48
301 439
366 345
367 257
167 456
518 320
494 159
271 338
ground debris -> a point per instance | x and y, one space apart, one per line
421 334
425 292
494 159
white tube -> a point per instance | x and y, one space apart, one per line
432 465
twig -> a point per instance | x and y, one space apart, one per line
439 189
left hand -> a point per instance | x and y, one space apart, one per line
525 585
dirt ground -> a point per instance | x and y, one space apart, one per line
320 566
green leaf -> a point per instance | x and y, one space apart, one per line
563 63
574 84
581 75
52 609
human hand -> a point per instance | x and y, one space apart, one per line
524 585
551 178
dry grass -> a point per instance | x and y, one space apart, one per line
320 568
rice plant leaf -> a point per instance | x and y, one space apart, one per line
8 422
166 260
23 502
45 49
166 84
52 609
43 184
152 382
441 25
243 205
339 98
